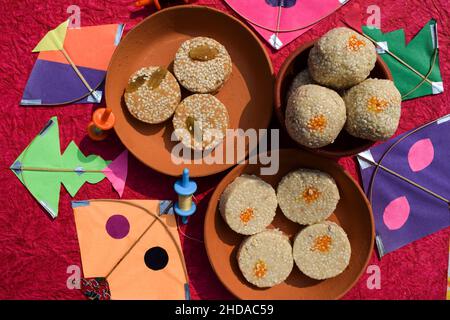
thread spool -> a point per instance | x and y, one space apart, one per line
102 120
185 189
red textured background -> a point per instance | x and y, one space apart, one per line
36 251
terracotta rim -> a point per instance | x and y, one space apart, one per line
212 210
195 7
279 108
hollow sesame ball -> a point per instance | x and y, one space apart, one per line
341 58
152 94
373 109
315 115
202 65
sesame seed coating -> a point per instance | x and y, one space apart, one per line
307 196
153 105
200 121
341 58
322 251
315 116
265 259
373 109
245 195
202 76
300 79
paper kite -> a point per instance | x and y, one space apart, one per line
42 168
132 248
281 21
407 180
71 65
416 73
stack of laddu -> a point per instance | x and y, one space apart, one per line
334 93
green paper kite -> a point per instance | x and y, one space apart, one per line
42 169
421 54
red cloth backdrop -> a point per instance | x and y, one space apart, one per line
36 251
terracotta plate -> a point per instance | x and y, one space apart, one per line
353 213
248 94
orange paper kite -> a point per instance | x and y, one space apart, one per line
133 247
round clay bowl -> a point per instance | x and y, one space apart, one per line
248 94
345 144
353 214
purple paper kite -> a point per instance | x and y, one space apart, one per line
53 80
402 211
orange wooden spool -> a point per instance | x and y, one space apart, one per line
102 120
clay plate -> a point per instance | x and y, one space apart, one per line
345 144
248 94
353 213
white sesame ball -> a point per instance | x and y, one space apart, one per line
300 79
341 58
373 109
315 116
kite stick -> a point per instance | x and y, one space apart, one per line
278 27
404 178
286 30
54 169
74 67
399 60
426 76
131 248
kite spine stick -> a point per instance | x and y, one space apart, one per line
277 32
57 170
405 179
77 71
400 60
286 30
426 76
